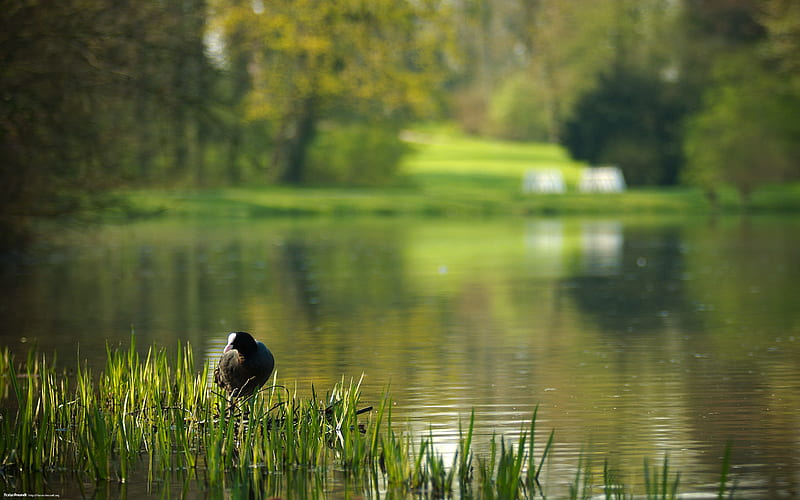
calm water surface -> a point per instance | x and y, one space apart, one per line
635 337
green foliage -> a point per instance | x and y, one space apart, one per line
518 111
559 47
726 469
355 155
781 18
631 120
657 484
99 95
581 487
309 61
161 408
463 459
96 94
508 472
747 133
612 486
724 24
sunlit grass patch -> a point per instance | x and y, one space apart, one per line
444 151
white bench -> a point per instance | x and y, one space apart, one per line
602 180
543 181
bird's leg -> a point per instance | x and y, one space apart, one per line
246 410
232 403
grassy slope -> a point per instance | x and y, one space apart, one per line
451 174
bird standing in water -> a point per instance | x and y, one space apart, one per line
245 365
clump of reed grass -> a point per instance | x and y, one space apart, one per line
657 483
613 488
581 486
158 412
509 472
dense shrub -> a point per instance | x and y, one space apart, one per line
355 155
632 119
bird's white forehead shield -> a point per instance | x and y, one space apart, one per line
231 338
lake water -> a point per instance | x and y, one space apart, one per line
636 337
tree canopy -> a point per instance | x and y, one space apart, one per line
314 60
746 133
98 94
630 119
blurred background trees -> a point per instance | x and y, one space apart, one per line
746 130
96 94
375 63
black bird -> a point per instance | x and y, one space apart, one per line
245 365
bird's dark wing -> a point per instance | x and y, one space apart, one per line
243 376
231 374
261 365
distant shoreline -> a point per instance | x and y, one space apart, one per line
449 174
398 202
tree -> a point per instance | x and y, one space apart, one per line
746 134
312 59
56 71
568 45
781 18
614 92
632 120
636 115
528 54
518 111
93 92
630 113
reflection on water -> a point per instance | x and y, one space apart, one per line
635 338
544 240
602 247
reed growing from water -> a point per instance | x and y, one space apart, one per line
159 413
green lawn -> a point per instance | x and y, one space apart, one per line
455 175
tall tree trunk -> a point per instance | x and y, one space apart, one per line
289 154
